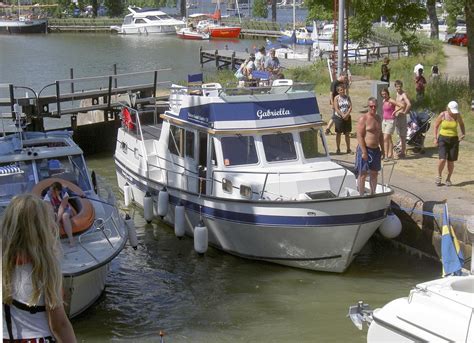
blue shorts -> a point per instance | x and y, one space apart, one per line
374 160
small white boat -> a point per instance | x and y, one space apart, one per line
190 33
148 20
436 311
31 162
253 166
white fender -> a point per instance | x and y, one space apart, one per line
132 233
163 199
200 238
179 220
148 207
391 226
127 194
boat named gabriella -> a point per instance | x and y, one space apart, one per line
252 166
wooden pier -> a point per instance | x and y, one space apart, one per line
231 59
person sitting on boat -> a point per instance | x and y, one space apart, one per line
58 197
272 65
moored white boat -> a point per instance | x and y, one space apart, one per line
189 33
252 164
30 162
148 20
441 310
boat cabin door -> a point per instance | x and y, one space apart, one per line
205 161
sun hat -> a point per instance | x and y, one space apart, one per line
453 107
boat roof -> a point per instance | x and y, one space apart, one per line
37 145
143 12
228 113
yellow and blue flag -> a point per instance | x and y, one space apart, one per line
451 253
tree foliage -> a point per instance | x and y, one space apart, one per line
260 9
404 16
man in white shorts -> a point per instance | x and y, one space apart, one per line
401 117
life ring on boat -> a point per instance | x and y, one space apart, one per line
83 211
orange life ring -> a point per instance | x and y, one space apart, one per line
84 213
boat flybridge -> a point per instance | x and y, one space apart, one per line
148 20
30 162
252 165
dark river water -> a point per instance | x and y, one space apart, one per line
164 285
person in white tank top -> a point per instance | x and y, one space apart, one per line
33 308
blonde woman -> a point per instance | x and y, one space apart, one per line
32 280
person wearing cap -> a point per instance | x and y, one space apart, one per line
447 139
260 58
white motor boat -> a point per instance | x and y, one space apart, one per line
436 311
148 20
31 162
190 33
253 166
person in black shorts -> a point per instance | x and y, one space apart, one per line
342 118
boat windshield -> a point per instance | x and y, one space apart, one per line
69 168
239 150
15 178
128 19
279 147
312 143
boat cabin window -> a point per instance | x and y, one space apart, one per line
239 150
140 21
279 147
181 142
151 17
16 178
190 144
312 144
127 20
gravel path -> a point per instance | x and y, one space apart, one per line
456 61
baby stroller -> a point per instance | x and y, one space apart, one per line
418 124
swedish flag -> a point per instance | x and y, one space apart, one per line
451 253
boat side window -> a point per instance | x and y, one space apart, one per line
16 178
175 142
140 21
190 144
239 150
279 147
181 142
312 144
151 17
127 20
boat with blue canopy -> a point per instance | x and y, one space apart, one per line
252 166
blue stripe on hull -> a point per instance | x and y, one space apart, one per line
269 220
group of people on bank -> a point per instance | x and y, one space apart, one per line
261 61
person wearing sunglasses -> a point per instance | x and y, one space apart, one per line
370 147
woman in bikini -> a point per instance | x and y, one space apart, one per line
389 107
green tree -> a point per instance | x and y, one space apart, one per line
260 9
115 7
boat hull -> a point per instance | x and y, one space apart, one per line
83 290
308 234
192 35
225 32
158 29
16 27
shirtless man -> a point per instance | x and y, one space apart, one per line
370 149
401 116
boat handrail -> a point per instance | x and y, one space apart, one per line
100 226
267 174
